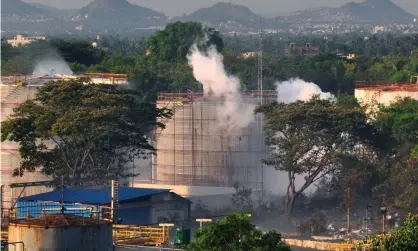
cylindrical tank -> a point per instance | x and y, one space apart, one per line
193 149
94 237
11 97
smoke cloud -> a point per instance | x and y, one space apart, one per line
209 70
287 92
51 66
296 89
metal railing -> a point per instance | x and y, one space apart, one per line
145 235
181 96
41 212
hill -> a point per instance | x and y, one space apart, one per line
58 13
370 11
226 17
117 14
18 16
18 11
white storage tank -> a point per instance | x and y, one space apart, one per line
60 232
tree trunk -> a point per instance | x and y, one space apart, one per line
348 220
290 204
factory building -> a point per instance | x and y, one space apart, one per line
136 206
372 93
15 90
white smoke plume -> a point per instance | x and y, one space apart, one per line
296 89
287 92
209 70
51 66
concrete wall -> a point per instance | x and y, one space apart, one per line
89 238
370 96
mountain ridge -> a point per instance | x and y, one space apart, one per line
369 11
221 15
113 13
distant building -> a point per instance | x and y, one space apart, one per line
378 28
306 50
374 93
250 54
21 40
348 56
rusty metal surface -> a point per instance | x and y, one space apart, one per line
68 238
58 220
387 86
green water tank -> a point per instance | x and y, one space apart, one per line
182 236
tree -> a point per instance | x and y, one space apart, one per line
235 233
311 139
400 119
241 199
351 182
174 42
404 238
81 131
314 226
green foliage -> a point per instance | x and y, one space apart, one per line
174 42
241 199
400 119
314 226
77 51
313 139
81 131
235 233
404 238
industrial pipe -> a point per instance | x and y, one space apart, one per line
1 202
17 242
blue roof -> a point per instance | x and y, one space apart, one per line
92 196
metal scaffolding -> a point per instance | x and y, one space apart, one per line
193 150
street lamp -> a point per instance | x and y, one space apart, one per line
383 210
168 225
203 220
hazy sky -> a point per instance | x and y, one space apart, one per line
265 7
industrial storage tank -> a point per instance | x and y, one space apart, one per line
193 150
11 97
372 93
13 94
60 232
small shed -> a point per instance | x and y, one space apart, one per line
136 206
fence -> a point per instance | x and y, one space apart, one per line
36 212
144 235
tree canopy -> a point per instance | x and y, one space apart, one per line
404 238
400 119
84 131
235 233
174 42
313 139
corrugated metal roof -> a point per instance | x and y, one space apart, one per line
92 196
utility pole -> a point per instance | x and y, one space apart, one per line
260 64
